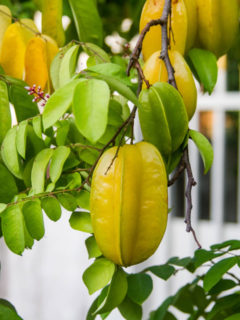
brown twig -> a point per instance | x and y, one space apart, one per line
177 173
190 184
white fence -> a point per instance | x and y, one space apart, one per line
46 283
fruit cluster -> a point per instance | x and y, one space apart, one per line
210 25
25 53
129 191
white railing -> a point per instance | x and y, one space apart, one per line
46 283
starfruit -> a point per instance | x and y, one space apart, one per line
163 118
52 49
217 25
153 10
38 57
52 20
191 7
155 70
14 46
5 21
128 203
36 69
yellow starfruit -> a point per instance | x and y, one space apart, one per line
129 203
153 10
36 68
5 21
155 70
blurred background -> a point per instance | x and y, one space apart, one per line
46 282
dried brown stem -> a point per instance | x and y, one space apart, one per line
178 172
190 184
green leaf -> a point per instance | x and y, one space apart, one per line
203 64
116 292
224 306
115 113
97 54
34 143
164 271
222 285
180 262
3 206
13 229
5 114
112 70
55 65
92 248
204 147
183 300
98 274
21 138
59 103
119 86
62 132
235 316
81 221
83 199
67 201
8 185
68 65
74 180
90 108
232 244
33 217
201 256
160 313
29 241
130 310
199 297
52 208
215 273
22 102
7 311
10 155
39 168
139 287
37 126
60 155
87 21
170 316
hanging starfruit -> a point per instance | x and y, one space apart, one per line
5 21
52 20
217 25
38 57
155 70
128 203
153 10
163 117
14 45
36 71
191 7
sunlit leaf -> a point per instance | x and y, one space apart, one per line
81 221
216 272
5 114
98 274
38 175
90 108
204 147
60 155
10 155
51 207
33 217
